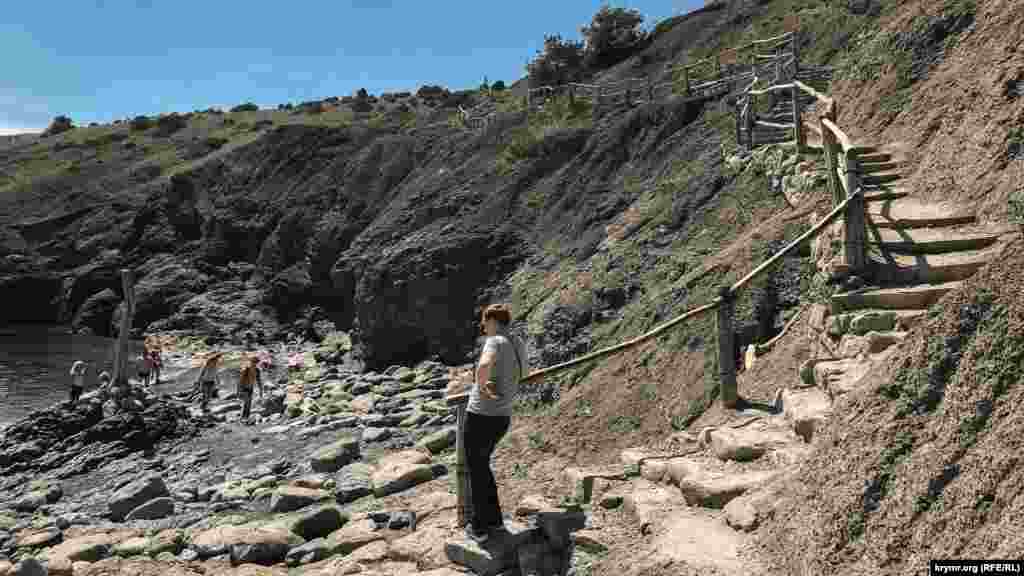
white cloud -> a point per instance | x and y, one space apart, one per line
15 131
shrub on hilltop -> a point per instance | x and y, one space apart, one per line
58 125
247 107
613 35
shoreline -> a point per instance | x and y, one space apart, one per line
321 438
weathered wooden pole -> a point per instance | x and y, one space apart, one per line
127 311
798 131
572 96
686 81
828 146
738 109
597 100
629 96
751 141
650 90
854 230
462 494
726 349
796 52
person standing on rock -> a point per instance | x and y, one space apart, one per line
77 379
157 363
249 378
208 378
145 367
489 414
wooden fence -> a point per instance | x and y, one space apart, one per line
720 74
848 202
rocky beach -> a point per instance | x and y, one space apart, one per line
335 472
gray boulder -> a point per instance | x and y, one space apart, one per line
153 510
135 494
354 482
333 457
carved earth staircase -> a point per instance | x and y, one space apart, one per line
917 253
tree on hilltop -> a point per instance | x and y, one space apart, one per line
613 35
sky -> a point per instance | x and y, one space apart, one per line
101 60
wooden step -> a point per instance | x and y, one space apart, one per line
929 240
881 177
904 298
881 194
875 157
912 213
889 268
876 167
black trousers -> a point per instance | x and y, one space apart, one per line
76 392
482 435
246 402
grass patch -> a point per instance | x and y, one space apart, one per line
877 489
524 142
624 424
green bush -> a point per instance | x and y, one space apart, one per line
560 61
498 86
247 107
1016 200
168 124
60 124
140 123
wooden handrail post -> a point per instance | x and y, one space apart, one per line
464 504
650 90
597 100
726 349
854 225
127 311
686 81
751 141
738 111
572 96
828 143
796 51
798 129
629 95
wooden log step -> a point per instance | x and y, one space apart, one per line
929 240
889 268
874 158
903 298
880 177
912 213
876 167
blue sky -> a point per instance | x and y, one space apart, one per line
99 60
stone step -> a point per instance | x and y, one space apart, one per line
746 443
807 410
863 321
904 269
908 212
902 298
873 342
929 240
838 377
701 484
881 177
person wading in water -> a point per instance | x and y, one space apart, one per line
489 414
208 378
249 378
77 380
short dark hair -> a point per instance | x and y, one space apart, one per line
500 312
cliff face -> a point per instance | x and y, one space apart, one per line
260 221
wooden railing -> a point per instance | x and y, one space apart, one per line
701 79
848 202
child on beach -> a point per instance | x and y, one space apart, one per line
77 379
